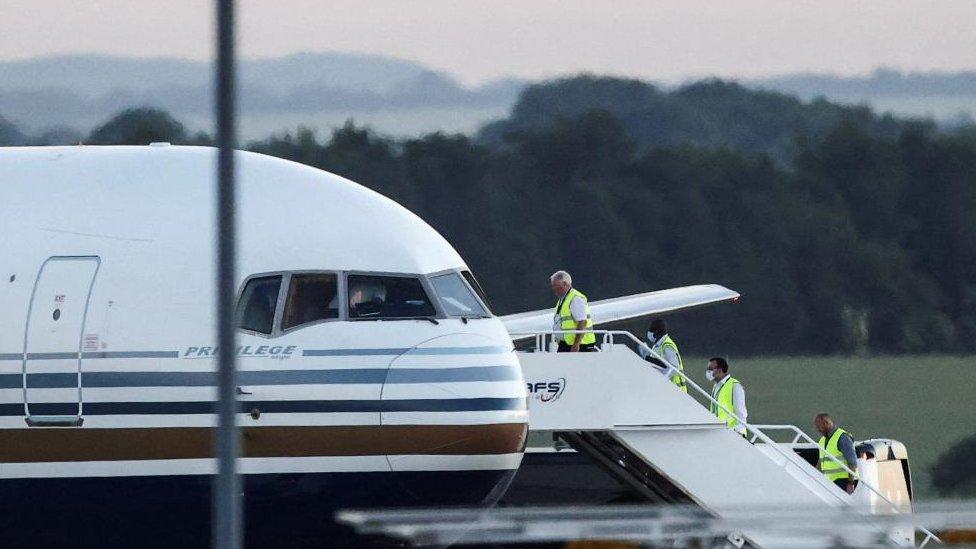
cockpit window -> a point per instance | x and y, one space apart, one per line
256 308
374 297
473 282
458 299
311 297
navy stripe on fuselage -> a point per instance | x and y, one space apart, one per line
131 354
52 356
353 352
272 377
269 407
104 354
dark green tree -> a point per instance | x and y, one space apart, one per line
954 473
139 126
10 134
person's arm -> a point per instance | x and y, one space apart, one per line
658 364
739 406
580 326
846 446
671 357
578 310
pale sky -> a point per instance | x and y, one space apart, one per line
477 40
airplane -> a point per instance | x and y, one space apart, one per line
372 371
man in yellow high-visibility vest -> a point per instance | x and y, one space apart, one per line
572 314
729 393
838 443
660 341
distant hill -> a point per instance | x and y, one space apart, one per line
949 97
69 95
881 82
82 90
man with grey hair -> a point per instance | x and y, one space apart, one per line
572 315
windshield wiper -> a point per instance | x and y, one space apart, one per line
429 319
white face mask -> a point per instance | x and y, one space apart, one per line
650 337
710 374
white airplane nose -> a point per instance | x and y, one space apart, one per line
461 404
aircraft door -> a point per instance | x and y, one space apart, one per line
53 339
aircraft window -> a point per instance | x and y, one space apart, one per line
473 282
457 297
311 297
256 308
372 297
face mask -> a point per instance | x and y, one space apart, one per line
650 337
710 374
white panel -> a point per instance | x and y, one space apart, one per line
455 418
152 467
455 463
606 389
244 420
468 389
325 464
258 393
568 391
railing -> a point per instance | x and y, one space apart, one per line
800 434
607 344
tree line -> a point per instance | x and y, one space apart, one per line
845 231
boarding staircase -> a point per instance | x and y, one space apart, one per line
624 414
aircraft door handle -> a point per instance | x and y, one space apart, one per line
54 421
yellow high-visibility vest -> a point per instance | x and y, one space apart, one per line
676 379
831 468
724 397
566 320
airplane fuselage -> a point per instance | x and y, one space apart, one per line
371 372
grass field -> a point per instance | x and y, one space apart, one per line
926 402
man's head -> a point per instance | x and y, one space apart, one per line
561 282
366 292
823 423
717 369
656 329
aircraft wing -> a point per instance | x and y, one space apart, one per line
626 307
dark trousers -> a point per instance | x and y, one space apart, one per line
842 483
584 347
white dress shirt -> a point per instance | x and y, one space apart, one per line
577 309
738 401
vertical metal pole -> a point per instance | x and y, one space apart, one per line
226 522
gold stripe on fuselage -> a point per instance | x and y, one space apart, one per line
56 444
